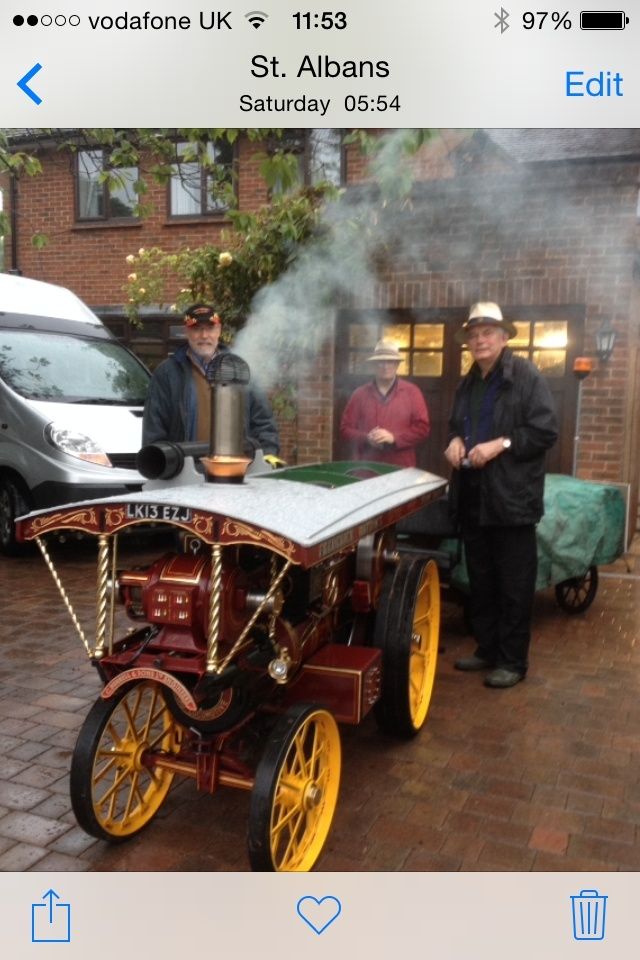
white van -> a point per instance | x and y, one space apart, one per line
71 401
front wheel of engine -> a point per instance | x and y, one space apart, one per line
295 791
115 789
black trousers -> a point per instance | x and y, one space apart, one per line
502 564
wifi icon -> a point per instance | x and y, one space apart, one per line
256 18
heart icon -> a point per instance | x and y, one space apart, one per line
319 914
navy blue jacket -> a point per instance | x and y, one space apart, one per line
171 401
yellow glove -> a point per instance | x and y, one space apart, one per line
274 461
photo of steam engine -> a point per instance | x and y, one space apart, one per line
546 223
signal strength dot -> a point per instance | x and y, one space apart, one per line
256 18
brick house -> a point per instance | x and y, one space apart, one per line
544 222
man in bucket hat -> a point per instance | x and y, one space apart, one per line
502 423
178 406
387 418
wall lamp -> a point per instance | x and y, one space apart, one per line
605 341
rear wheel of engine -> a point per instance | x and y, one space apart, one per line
407 631
295 791
115 789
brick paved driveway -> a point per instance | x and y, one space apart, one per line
544 776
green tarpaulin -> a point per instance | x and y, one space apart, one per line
583 526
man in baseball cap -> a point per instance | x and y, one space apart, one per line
387 418
178 406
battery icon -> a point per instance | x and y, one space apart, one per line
603 20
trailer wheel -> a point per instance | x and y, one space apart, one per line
295 791
578 593
115 791
407 631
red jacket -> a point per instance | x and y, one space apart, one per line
402 411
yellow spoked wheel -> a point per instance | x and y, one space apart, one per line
407 631
115 790
295 791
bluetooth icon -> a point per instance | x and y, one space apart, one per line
501 20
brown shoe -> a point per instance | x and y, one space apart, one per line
502 678
472 663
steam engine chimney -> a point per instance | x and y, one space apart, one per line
227 462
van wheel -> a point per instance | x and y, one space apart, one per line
12 504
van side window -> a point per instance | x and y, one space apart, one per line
104 191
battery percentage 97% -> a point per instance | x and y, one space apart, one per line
556 19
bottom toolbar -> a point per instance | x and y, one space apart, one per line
450 916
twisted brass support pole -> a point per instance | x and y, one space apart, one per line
101 595
56 579
215 597
112 598
273 617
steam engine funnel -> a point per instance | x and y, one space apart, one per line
227 462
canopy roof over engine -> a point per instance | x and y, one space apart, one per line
305 513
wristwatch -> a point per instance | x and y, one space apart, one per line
506 443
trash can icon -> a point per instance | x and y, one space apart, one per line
589 912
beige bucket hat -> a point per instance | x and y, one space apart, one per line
386 350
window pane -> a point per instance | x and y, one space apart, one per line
465 362
122 196
325 148
550 333
551 362
428 336
362 335
523 335
400 333
219 180
427 364
90 191
357 362
186 190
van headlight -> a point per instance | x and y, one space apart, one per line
76 444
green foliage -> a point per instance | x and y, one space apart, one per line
255 253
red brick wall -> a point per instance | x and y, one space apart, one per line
90 258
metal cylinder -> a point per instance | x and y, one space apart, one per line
163 460
227 420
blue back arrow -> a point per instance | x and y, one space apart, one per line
22 83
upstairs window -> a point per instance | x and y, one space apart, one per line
202 180
318 154
105 192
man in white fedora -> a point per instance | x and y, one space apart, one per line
387 418
502 423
